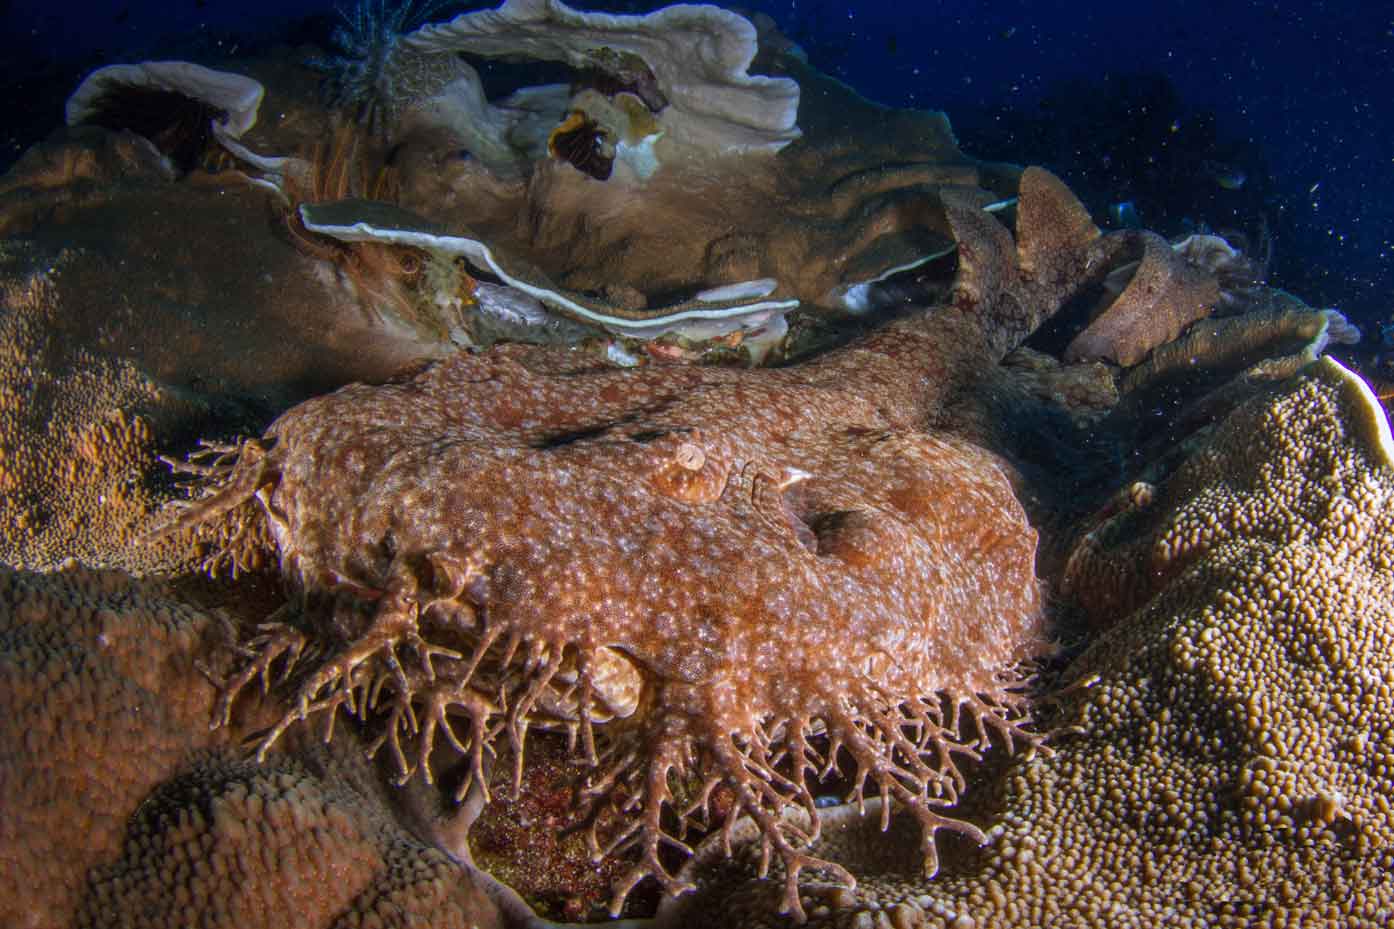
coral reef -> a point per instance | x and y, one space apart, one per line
107 244
1285 339
51 182
1239 274
1128 556
740 309
1227 763
1214 367
448 536
91 208
400 289
845 217
525 617
152 98
89 725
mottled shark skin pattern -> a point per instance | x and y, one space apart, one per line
727 585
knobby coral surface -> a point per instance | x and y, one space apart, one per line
722 582
78 448
1230 758
123 809
81 740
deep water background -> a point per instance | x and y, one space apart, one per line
1163 105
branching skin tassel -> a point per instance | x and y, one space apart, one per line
714 579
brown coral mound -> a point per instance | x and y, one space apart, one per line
238 312
89 724
792 574
1231 766
296 841
120 808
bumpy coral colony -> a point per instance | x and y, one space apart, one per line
722 583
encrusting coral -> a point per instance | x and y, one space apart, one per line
79 468
1224 750
795 578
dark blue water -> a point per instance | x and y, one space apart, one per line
1163 105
